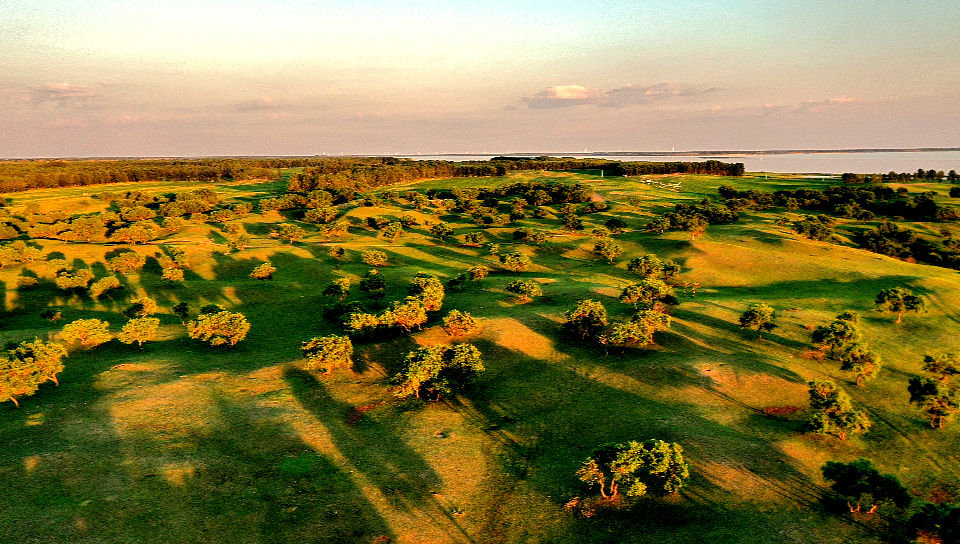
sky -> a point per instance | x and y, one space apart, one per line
121 78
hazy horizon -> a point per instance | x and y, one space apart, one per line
268 78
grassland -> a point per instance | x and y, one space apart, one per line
182 442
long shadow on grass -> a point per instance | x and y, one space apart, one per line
377 451
550 416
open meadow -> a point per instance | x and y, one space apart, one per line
181 441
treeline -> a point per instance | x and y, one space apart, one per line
359 173
920 175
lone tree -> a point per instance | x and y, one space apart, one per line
374 285
46 358
938 399
338 289
263 272
18 379
858 482
637 467
477 273
441 230
526 290
838 335
374 258
407 314
429 373
516 261
835 413
182 310
608 249
459 323
587 320
622 335
89 332
139 330
758 317
899 299
293 233
219 328
861 362
328 353
337 253
647 293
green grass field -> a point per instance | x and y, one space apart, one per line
183 442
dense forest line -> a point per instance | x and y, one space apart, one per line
359 173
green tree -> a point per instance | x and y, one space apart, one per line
937 523
172 274
441 230
616 225
587 320
637 467
861 362
899 299
477 273
946 365
46 358
293 233
219 328
328 353
834 411
407 314
858 482
758 317
374 258
432 372
608 249
428 290
139 330
263 272
392 232
572 222
182 310
623 335
938 399
526 290
458 323
374 285
839 334
516 261
89 332
338 288
648 266
473 239
647 293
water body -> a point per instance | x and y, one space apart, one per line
809 163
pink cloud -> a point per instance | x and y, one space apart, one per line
68 122
576 95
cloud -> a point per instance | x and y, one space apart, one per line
61 93
563 96
260 104
819 106
69 122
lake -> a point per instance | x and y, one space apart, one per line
813 163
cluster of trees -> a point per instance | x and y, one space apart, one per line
637 468
834 412
693 218
27 365
425 294
920 175
936 395
589 322
846 345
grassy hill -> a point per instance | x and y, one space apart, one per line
183 442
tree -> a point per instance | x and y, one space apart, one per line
864 364
263 272
291 232
946 365
626 334
89 332
648 266
328 353
182 310
572 222
637 467
515 261
338 288
651 321
141 307
337 253
46 358
616 225
431 372
374 285
608 249
219 328
695 225
935 397
127 261
137 233
441 230
835 413
76 280
477 273
17 379
172 274
473 239
858 482
647 293
899 299
392 232
100 286
839 334
459 323
139 330
939 523
526 290
374 258
758 317
428 290
587 320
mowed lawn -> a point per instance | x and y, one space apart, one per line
183 442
